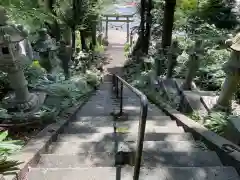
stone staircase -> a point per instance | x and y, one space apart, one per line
95 147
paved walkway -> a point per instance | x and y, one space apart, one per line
101 103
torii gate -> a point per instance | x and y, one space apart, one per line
117 16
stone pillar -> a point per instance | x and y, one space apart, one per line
128 29
159 60
65 57
106 29
100 38
195 54
173 52
101 26
131 39
232 70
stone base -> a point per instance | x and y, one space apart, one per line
118 117
33 105
233 130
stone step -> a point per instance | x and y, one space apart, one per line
96 137
149 159
134 110
90 129
107 126
103 108
102 159
126 173
179 159
90 124
106 120
133 125
93 118
108 146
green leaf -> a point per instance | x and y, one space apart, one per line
3 135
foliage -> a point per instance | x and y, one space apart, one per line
26 12
8 147
222 13
216 122
93 77
127 47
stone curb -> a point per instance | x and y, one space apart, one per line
228 152
30 154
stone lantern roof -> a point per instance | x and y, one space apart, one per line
45 43
16 33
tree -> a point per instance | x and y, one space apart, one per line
168 23
148 26
224 14
140 41
54 28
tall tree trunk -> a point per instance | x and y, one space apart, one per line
139 45
142 23
73 28
168 22
83 41
67 36
73 40
148 26
94 33
54 28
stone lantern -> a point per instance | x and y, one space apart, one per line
232 70
47 49
11 63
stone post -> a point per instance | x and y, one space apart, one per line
101 26
232 70
100 38
131 39
65 57
195 54
127 29
173 52
106 29
160 60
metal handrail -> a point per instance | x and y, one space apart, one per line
142 123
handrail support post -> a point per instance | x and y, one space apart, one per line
142 122
121 99
116 87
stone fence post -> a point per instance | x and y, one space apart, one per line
195 54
